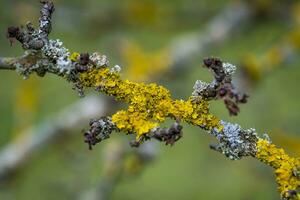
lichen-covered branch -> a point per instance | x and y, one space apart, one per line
150 104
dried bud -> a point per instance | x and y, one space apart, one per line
232 107
50 5
208 62
134 143
291 194
168 135
222 92
13 31
90 139
84 58
243 98
99 130
221 87
30 27
211 62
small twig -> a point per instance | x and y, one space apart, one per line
150 104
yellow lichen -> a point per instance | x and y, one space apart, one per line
286 168
149 104
74 56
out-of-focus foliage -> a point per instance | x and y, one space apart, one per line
25 105
281 52
142 65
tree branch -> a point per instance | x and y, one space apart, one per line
151 104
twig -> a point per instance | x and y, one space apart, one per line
150 104
229 18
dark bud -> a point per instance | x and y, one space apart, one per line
134 143
218 62
50 5
292 193
243 98
77 86
99 130
215 147
13 31
84 58
210 62
93 121
89 139
175 133
30 27
169 135
222 92
216 65
40 72
232 107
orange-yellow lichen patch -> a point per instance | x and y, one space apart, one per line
286 168
74 56
149 104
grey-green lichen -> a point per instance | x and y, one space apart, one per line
229 69
235 142
54 50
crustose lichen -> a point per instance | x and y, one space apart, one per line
150 104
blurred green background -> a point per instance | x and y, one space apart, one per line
65 169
